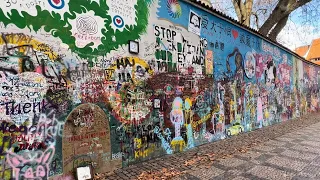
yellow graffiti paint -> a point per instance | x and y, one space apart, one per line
20 40
138 142
133 60
216 108
266 114
202 120
23 41
144 153
6 173
179 142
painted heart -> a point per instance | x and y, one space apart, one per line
56 1
118 21
235 34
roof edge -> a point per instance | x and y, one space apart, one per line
229 19
313 43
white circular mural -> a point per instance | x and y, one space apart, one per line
250 65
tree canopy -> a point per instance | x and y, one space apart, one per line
273 15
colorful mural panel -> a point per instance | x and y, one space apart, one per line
73 95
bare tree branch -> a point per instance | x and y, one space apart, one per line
256 19
237 8
277 29
248 5
299 4
273 19
243 10
279 16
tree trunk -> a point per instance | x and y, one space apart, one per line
243 11
248 6
279 16
277 29
277 19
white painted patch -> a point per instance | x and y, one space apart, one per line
97 1
28 87
87 28
122 13
29 6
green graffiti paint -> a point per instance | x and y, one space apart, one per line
60 27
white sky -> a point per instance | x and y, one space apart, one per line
295 35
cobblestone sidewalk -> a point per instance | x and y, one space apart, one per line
289 150
295 155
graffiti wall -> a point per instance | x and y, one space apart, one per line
72 94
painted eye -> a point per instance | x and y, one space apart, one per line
29 174
41 171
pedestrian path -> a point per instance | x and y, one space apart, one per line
288 150
295 155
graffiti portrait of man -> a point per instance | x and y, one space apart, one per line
194 23
270 74
250 65
195 20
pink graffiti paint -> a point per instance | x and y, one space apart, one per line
31 168
176 115
259 111
260 65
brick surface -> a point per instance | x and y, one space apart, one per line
249 155
299 155
231 162
240 178
206 173
275 143
310 171
270 173
287 163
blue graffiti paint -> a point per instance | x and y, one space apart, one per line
166 146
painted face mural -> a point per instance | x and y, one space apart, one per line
250 65
271 73
67 75
176 116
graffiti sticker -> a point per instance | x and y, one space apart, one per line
194 23
57 4
118 21
250 65
174 8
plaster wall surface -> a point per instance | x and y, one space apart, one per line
71 93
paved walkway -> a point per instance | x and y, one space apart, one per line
295 155
288 150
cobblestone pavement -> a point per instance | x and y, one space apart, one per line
295 155
288 150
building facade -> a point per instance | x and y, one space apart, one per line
310 52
